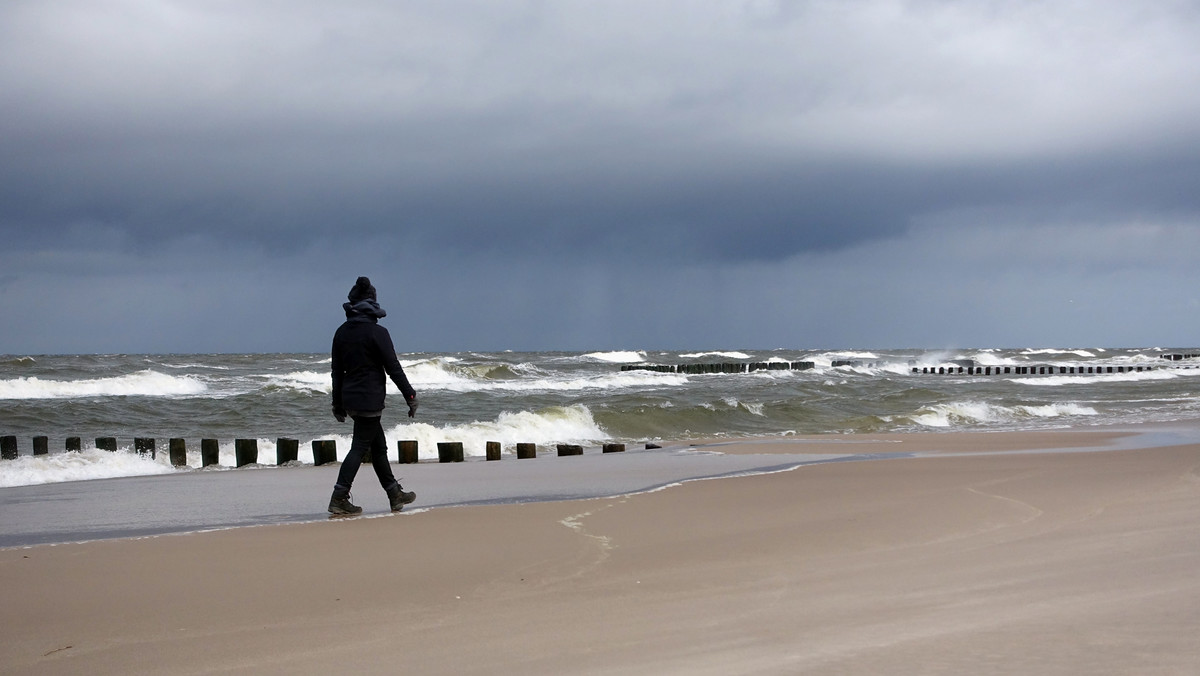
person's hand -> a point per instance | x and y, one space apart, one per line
412 408
340 414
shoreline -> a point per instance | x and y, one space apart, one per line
1012 559
921 442
201 501
1049 440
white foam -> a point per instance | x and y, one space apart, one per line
304 381
1050 350
851 355
875 368
618 357
826 359
29 470
1057 410
945 415
195 365
977 412
1056 381
866 370
146 383
434 372
895 368
728 355
441 374
437 377
566 425
988 358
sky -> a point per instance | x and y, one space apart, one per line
210 176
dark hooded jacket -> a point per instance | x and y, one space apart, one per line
362 353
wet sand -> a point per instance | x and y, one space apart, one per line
997 563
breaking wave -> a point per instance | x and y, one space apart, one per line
146 383
618 357
969 413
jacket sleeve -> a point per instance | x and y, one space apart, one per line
338 374
391 364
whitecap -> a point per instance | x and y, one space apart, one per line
969 413
557 424
1051 350
618 357
146 383
728 355
30 470
1057 381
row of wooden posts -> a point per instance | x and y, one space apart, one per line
724 367
286 450
1027 370
957 366
751 367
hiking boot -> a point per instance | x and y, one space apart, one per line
400 497
340 504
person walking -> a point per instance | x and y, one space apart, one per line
362 354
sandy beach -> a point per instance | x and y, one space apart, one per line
995 563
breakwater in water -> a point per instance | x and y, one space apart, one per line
953 367
723 367
324 451
1029 370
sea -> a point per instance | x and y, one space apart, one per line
635 397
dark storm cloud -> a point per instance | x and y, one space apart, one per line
724 141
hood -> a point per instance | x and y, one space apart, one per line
364 308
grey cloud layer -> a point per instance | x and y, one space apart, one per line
727 133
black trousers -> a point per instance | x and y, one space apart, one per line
368 436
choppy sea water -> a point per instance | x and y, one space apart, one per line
548 398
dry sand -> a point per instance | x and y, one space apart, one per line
1006 563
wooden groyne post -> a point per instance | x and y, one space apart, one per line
569 449
106 444
525 451
407 451
493 450
245 451
286 450
210 452
177 448
324 451
614 448
8 447
450 451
